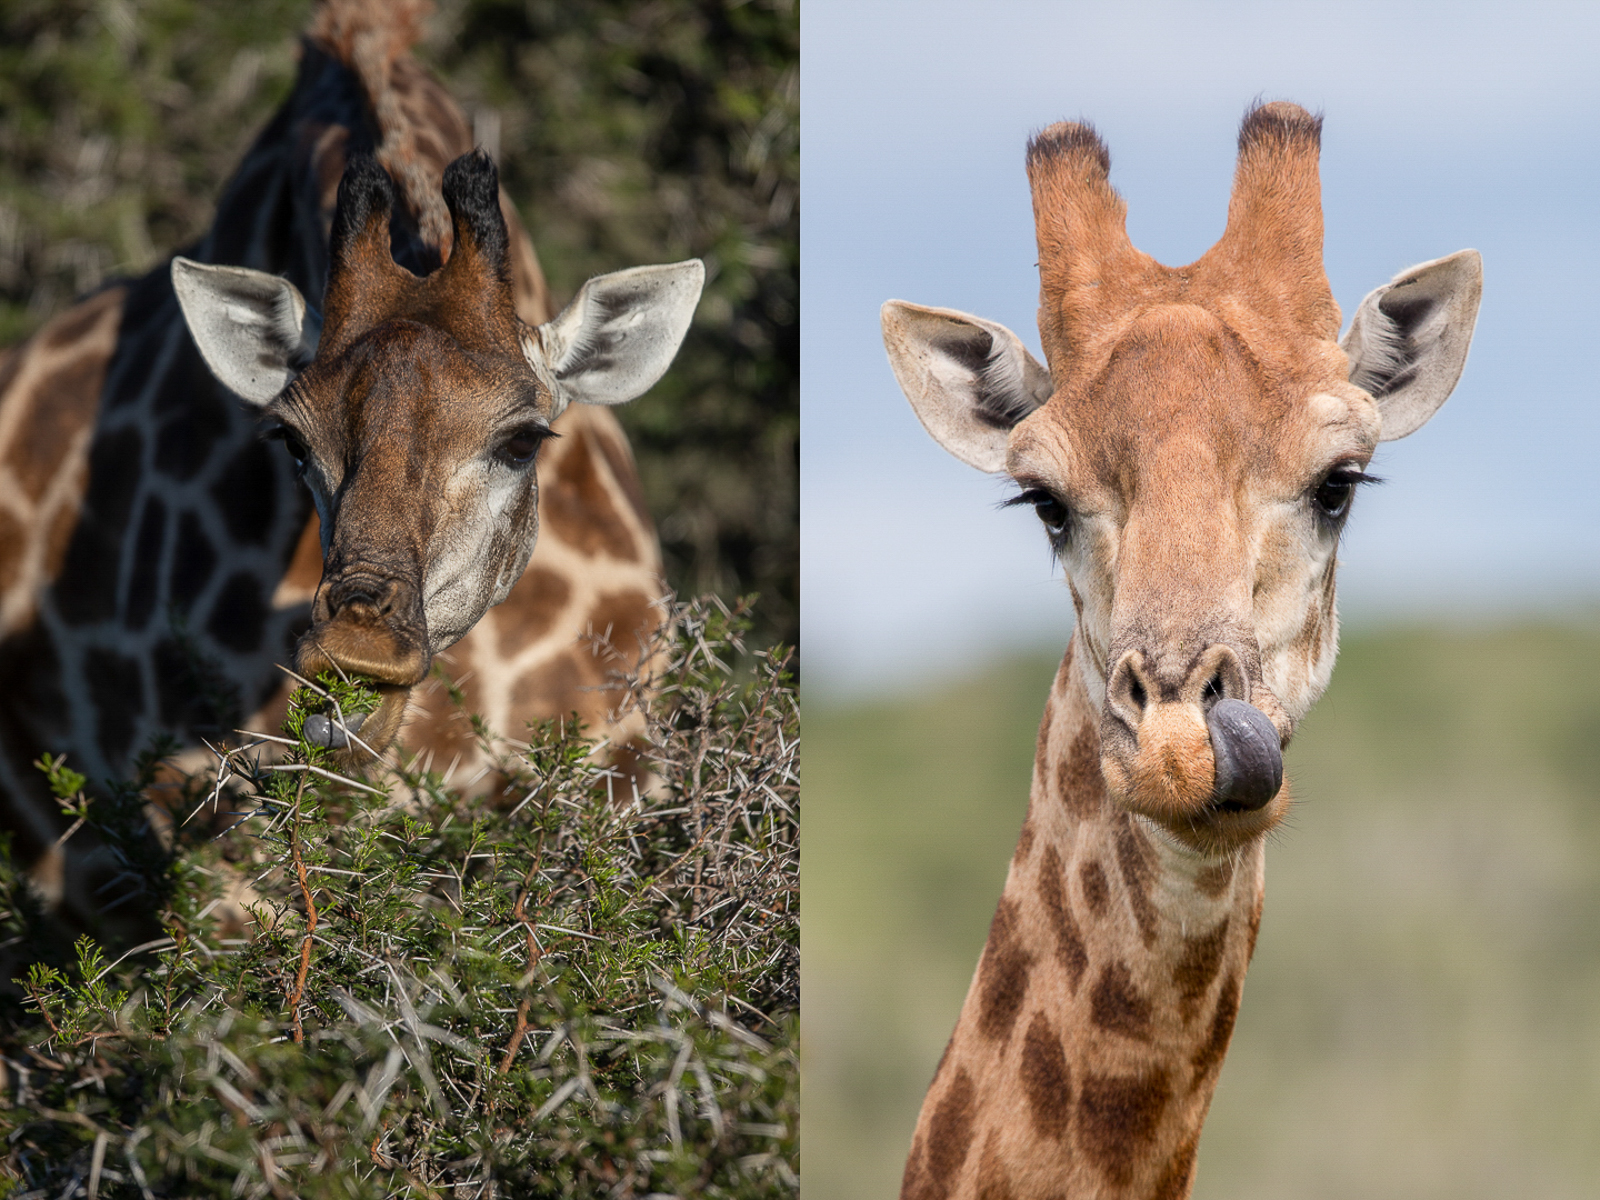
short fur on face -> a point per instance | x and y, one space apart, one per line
1195 447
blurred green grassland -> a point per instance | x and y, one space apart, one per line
627 132
1422 1018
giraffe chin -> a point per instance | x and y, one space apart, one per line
1176 769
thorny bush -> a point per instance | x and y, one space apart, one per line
580 988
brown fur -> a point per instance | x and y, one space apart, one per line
1192 408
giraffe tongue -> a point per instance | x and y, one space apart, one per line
1248 755
322 730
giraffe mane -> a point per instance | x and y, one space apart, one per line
370 37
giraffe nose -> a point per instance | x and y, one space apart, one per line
366 623
1138 685
363 592
1197 742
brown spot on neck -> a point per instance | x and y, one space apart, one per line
1079 784
1070 950
1209 1056
1095 887
933 1165
1117 1120
1024 843
1117 1006
993 1181
1003 974
1255 926
1046 1079
1214 880
1197 967
1138 874
1178 1178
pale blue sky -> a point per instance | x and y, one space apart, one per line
1447 126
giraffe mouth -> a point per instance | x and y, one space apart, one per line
360 736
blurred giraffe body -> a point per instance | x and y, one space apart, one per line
1192 450
158 559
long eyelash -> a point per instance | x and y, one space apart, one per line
1357 477
1027 496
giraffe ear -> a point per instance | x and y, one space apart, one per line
1408 340
969 380
255 330
621 331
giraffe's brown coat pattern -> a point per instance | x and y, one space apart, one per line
1078 780
1046 1079
1024 849
1003 976
1208 1057
948 1141
1198 966
993 1181
1177 1179
1117 1116
1117 1006
1095 887
1137 877
1214 880
1070 949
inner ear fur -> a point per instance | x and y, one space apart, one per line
621 332
1408 341
970 381
255 331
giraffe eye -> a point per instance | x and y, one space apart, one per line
295 445
519 449
1054 515
1333 495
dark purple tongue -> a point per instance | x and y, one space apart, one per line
1249 759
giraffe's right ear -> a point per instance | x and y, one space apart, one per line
1408 341
968 379
255 330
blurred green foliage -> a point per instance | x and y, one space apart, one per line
1420 1019
627 133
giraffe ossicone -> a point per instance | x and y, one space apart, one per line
415 407
1192 448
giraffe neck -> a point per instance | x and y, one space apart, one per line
1091 1038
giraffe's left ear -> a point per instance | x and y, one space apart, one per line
621 331
1408 340
255 331
970 381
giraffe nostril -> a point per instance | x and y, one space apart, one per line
1215 690
1136 693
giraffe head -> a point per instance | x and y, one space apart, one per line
1192 450
414 408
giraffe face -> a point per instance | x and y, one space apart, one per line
1195 495
1192 452
414 408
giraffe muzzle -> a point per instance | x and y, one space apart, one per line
373 629
1185 746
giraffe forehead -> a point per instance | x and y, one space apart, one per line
1184 399
407 372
